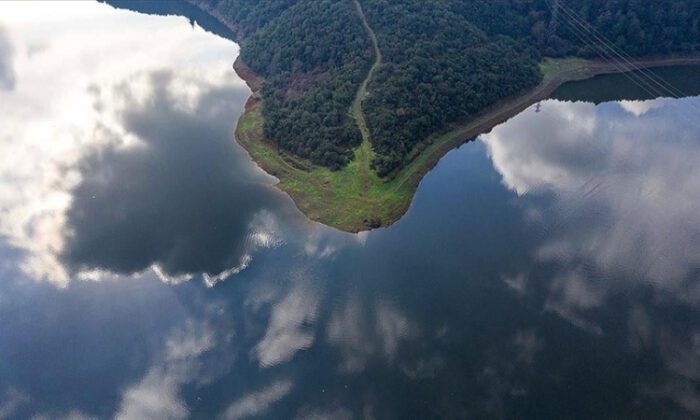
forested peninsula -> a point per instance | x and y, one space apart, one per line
355 100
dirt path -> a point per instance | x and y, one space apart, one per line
364 152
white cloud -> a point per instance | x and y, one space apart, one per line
623 193
318 244
639 108
571 293
288 332
393 328
71 415
258 402
517 283
264 233
157 394
678 350
534 154
78 415
334 412
358 338
346 331
10 402
51 118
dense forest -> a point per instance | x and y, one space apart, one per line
313 61
443 60
638 27
313 54
439 68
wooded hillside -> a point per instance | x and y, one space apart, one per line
444 60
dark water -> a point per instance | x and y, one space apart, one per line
640 85
148 269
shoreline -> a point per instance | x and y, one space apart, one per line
355 199
324 196
556 72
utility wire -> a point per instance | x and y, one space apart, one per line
650 75
584 33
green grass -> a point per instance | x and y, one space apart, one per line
351 199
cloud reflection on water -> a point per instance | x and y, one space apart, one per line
290 321
257 402
120 163
182 361
613 192
624 191
128 163
181 198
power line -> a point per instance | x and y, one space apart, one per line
661 82
583 33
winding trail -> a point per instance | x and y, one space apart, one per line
364 152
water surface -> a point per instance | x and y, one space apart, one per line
148 269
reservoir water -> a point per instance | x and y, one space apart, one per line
148 268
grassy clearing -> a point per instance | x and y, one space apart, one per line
352 199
